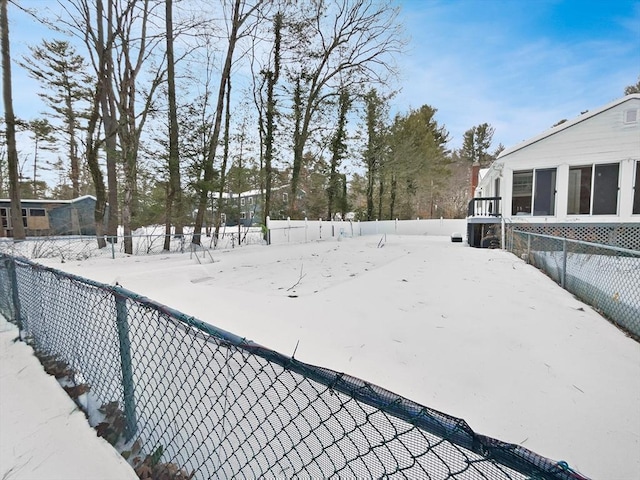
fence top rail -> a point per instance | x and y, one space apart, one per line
581 242
453 429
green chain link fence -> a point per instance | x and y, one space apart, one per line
603 276
210 404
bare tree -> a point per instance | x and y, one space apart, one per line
125 47
10 121
338 43
95 26
174 194
241 12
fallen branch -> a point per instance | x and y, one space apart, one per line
299 279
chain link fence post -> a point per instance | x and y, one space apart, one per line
127 369
563 274
17 316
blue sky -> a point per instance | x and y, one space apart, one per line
520 65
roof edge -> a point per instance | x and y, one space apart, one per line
568 124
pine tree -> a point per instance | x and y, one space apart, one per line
65 83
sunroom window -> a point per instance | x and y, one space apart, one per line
544 199
522 189
593 189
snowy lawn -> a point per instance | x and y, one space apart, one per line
474 333
43 435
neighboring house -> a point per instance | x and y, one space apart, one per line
51 217
246 207
580 179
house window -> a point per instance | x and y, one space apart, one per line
605 189
24 217
250 200
636 191
579 191
630 116
522 189
285 197
252 214
243 215
6 218
544 198
593 190
37 212
242 202
223 218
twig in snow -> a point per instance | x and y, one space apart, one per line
299 279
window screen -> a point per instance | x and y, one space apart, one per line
605 189
522 189
579 191
545 193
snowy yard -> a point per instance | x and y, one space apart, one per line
477 334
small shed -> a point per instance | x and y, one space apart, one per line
51 217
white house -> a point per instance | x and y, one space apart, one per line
583 172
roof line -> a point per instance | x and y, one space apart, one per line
568 124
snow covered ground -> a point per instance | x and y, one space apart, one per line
43 435
477 334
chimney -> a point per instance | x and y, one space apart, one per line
475 173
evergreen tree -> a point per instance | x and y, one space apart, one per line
633 88
418 166
476 144
62 75
43 139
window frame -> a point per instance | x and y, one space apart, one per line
635 206
44 212
595 172
553 192
5 217
514 207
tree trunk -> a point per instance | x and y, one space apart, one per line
10 121
208 166
272 80
174 194
107 104
225 158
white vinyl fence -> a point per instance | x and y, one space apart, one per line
302 231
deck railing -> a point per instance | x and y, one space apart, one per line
485 207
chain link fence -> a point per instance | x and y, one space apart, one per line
173 393
603 276
70 247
